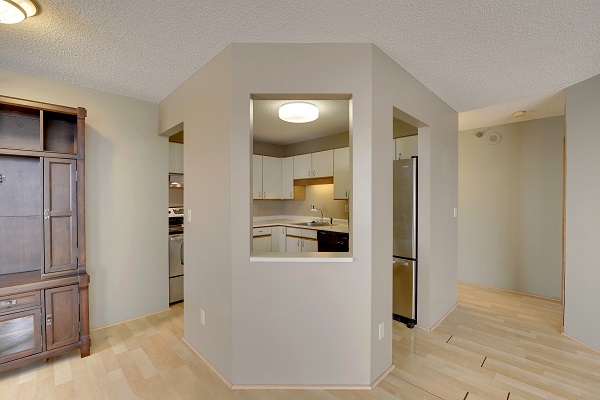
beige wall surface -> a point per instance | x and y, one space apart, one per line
126 221
510 207
203 104
394 88
322 309
582 212
319 195
307 322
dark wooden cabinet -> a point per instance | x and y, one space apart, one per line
62 316
44 308
60 215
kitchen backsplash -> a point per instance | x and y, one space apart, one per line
319 195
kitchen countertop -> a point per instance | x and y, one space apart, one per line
292 223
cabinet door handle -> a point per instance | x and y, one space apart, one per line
303 243
49 319
309 173
314 173
264 195
291 195
181 253
298 242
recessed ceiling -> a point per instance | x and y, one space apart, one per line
333 118
471 54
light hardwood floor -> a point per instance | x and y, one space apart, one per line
494 345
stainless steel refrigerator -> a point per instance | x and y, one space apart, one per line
404 306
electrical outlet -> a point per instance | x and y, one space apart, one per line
346 207
255 207
381 331
189 215
202 317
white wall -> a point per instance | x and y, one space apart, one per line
510 202
203 104
582 296
301 322
126 222
393 87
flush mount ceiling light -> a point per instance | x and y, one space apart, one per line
517 114
15 11
298 112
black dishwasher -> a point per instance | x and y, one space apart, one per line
332 241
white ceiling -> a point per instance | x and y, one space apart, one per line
472 54
267 127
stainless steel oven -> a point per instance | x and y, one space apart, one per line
176 254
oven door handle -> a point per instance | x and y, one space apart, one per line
181 253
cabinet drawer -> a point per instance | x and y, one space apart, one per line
309 233
19 301
293 232
261 231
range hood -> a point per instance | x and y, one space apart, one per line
176 180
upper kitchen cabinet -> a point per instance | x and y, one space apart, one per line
322 164
302 166
313 165
271 178
341 173
266 177
287 178
175 158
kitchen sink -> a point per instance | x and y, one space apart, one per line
313 223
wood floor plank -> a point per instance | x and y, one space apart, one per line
493 343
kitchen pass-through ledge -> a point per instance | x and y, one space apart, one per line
322 257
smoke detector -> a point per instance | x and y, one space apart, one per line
494 138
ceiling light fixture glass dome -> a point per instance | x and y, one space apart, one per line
298 112
15 11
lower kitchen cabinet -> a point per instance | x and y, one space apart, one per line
301 240
261 240
278 239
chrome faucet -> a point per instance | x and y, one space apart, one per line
314 209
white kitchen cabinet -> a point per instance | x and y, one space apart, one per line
261 240
322 164
271 178
341 173
278 239
175 158
302 166
287 178
301 240
261 244
257 177
406 147
309 245
313 165
292 244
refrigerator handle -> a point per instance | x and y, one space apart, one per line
400 261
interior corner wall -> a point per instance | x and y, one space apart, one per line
510 201
126 224
203 104
437 191
582 212
302 323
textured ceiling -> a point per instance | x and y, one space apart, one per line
333 118
472 54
